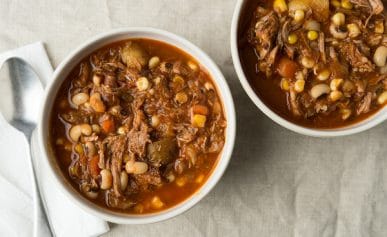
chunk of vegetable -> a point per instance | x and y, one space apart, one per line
108 125
134 56
162 152
199 120
200 109
286 67
93 166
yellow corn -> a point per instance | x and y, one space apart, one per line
178 79
336 83
78 148
382 98
284 84
345 113
299 86
299 15
312 35
142 83
199 120
336 3
346 4
353 30
280 6
181 97
156 203
324 75
292 38
379 27
335 95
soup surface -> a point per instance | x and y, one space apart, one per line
318 64
137 126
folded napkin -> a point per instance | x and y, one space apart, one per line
16 202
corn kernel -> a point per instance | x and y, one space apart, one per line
181 97
336 3
121 130
299 15
280 6
292 38
157 80
138 208
353 30
299 86
338 19
284 84
312 35
194 67
346 4
78 149
345 113
142 83
156 203
336 83
382 98
307 62
178 80
335 95
181 181
199 179
379 27
199 120
323 75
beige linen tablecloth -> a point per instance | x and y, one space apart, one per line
278 183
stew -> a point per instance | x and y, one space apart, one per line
316 63
138 126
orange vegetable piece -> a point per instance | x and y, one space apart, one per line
286 67
93 166
200 109
108 126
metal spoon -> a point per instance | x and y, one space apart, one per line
21 92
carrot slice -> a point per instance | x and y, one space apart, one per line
200 109
108 126
93 166
286 67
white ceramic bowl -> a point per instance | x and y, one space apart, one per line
73 59
363 125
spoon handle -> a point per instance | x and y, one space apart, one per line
41 224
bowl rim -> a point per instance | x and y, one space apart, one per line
360 126
171 39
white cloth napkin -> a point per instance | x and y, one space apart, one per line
16 205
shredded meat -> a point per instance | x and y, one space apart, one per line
265 31
358 61
365 103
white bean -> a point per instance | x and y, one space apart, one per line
380 56
319 90
86 129
140 167
80 98
137 167
124 180
75 132
106 179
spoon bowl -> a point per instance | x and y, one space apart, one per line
21 92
